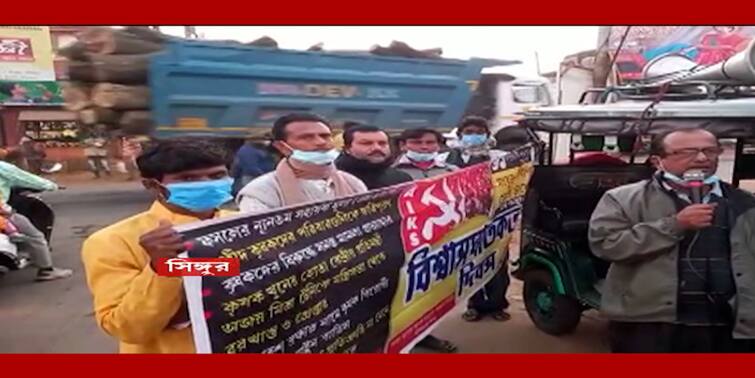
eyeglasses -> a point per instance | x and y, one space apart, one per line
691 153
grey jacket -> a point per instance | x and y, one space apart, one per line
634 227
438 168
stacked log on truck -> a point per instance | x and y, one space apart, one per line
108 73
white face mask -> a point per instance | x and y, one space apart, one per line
315 157
421 156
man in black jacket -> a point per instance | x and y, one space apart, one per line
474 143
367 155
474 135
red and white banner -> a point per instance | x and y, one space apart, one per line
14 49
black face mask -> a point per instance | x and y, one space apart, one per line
350 163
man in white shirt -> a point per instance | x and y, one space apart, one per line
306 174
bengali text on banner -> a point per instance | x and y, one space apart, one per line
370 273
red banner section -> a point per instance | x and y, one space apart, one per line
433 208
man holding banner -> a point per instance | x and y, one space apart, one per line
474 135
377 176
144 311
421 159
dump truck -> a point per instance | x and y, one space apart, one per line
210 89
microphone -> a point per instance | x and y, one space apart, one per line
694 180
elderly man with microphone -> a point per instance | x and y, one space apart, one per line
682 253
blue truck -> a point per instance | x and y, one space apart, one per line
220 89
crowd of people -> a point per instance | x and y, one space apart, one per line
190 181
680 275
680 278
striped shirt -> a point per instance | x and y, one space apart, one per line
14 177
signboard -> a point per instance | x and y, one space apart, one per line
52 131
26 54
683 46
369 273
16 50
14 92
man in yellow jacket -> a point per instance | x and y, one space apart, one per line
144 311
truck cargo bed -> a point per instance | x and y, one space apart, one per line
221 89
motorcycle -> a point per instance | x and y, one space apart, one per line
25 202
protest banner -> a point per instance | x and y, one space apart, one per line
369 273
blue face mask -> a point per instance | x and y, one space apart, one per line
200 195
711 180
473 140
315 157
421 156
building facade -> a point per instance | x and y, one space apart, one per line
32 106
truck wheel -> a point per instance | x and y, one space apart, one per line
552 313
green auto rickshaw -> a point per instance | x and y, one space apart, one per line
593 148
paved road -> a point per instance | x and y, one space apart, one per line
56 317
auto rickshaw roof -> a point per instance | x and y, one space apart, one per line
732 118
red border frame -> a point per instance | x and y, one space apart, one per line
376 13
364 366
349 12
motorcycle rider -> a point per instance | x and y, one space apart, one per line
32 240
